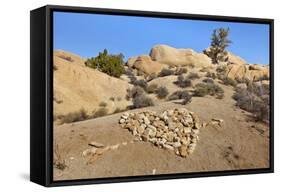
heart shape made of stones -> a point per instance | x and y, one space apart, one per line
176 129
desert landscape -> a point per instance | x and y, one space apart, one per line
170 111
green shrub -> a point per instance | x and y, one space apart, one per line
193 76
162 92
165 72
112 65
203 89
151 88
183 82
228 81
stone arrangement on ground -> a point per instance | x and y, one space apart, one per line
176 129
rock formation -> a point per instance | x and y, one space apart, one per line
179 57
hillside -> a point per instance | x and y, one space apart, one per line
233 133
77 86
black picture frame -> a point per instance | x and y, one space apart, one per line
41 94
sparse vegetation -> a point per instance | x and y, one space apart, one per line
254 99
142 83
134 92
73 116
228 81
183 82
218 44
180 71
112 65
165 72
162 92
178 95
100 112
208 80
142 101
59 162
193 76
103 104
151 88
203 89
211 75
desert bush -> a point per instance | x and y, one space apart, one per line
183 82
180 71
203 89
142 101
211 75
151 77
221 69
254 99
103 104
151 88
186 98
228 81
119 98
165 72
179 95
193 75
134 92
242 80
74 116
112 65
118 110
208 80
162 92
142 83
59 162
100 112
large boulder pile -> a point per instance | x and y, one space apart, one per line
176 129
179 57
146 65
250 72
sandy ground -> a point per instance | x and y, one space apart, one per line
240 143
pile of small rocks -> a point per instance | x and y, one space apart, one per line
176 130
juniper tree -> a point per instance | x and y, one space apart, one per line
219 41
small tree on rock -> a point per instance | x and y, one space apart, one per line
218 44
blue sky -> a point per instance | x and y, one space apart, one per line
88 34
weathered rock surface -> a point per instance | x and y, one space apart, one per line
145 64
250 72
175 130
179 57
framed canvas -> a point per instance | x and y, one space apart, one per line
125 95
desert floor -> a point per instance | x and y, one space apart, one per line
240 143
